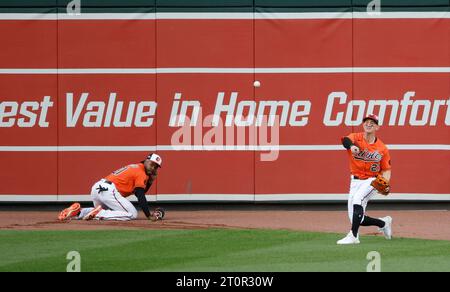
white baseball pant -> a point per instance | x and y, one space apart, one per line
115 207
360 193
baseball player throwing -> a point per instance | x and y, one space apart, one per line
109 194
370 166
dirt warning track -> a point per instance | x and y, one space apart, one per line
424 224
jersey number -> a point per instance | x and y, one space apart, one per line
119 171
375 167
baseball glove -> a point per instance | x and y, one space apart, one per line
158 214
381 185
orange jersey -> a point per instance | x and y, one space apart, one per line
372 158
128 178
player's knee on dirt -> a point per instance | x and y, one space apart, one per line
133 214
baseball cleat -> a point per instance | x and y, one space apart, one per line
349 239
91 215
70 212
387 229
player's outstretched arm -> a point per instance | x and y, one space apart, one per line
140 194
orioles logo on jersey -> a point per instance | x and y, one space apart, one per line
366 155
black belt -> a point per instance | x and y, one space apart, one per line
107 182
357 177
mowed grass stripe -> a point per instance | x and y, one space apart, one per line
30 250
214 250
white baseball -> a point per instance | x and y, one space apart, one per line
257 83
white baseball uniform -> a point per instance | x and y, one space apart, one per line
115 206
360 194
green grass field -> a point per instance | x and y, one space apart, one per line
214 250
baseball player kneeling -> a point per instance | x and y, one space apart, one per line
370 166
109 194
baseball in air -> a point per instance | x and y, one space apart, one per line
257 83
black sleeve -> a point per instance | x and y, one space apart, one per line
149 184
140 194
347 142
